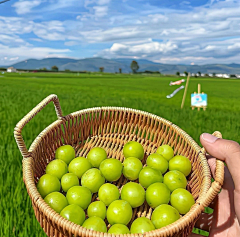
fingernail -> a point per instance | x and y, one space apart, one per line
209 138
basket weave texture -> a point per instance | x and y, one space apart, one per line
110 128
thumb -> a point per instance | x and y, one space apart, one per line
225 150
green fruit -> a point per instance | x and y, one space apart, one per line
96 155
65 153
119 212
57 168
95 223
141 225
164 215
133 149
111 169
73 213
131 168
108 193
182 200
97 208
48 184
157 162
148 176
79 166
166 151
69 180
157 194
133 193
57 201
175 179
119 229
93 180
180 163
79 195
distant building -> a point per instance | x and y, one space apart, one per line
203 75
226 76
237 75
11 69
182 74
219 75
210 74
193 74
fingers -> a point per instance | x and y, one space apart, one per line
228 151
225 150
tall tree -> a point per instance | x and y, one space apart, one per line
134 66
120 70
101 69
55 68
178 73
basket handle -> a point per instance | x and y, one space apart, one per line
219 178
20 125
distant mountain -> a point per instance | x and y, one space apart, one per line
113 65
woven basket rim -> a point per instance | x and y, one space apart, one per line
66 225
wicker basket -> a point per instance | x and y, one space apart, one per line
110 128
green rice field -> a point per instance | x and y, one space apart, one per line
19 93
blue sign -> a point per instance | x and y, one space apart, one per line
198 100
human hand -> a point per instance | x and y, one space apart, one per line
225 220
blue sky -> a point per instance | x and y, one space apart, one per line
182 32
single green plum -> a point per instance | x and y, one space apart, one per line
131 168
108 193
57 201
48 184
119 212
182 200
133 193
93 180
157 194
148 176
79 195
166 151
180 163
95 223
157 162
57 168
111 169
74 213
164 215
141 225
175 179
65 153
69 180
96 155
133 149
79 166
97 208
119 229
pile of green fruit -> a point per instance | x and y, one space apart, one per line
60 187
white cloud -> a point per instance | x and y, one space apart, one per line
234 46
14 59
51 30
23 7
24 52
103 2
71 43
100 11
146 49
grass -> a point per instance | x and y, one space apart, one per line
20 93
